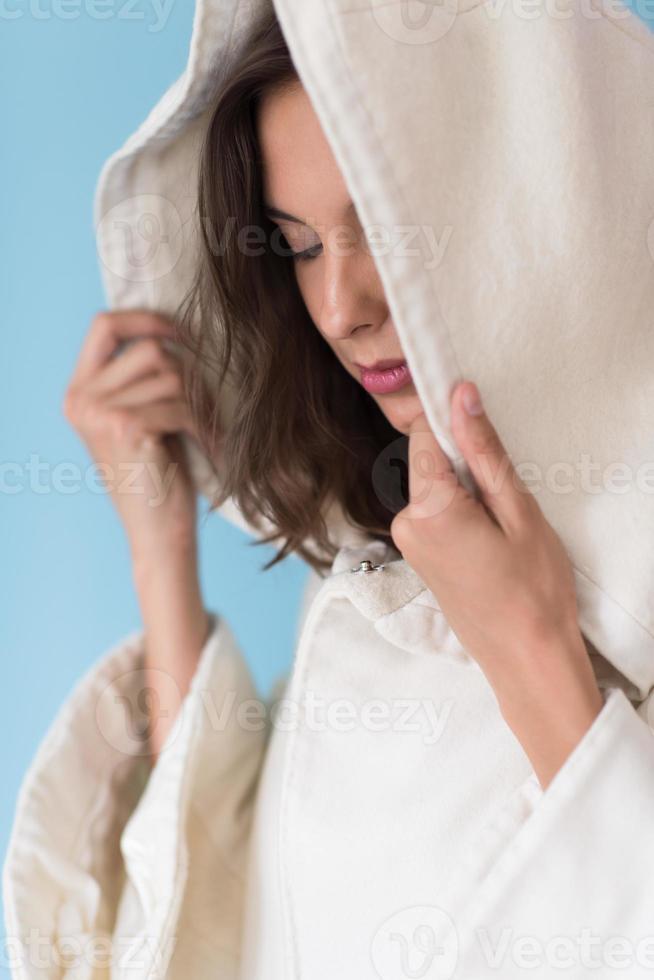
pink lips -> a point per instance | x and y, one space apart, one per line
382 380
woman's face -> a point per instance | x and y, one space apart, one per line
338 278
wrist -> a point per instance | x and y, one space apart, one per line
170 598
563 710
149 568
549 700
542 666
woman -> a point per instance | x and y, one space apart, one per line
384 843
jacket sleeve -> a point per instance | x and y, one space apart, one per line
566 886
116 868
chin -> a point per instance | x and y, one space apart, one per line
401 412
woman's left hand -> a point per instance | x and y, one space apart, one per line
503 581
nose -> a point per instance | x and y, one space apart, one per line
353 297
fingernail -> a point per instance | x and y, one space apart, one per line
472 400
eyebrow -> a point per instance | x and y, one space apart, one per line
274 212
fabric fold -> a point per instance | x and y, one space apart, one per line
529 916
185 846
97 871
62 876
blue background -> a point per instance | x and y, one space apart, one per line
72 91
73 88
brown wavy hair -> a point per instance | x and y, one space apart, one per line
303 432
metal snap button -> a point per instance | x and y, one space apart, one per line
367 566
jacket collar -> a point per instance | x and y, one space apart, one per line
390 594
405 612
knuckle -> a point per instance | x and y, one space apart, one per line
154 353
94 418
101 320
119 424
400 530
70 404
149 346
76 408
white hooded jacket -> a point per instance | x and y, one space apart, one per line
506 150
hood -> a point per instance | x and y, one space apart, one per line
506 152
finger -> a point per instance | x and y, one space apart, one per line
157 387
500 486
106 332
161 418
144 357
433 484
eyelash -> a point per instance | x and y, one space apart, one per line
307 255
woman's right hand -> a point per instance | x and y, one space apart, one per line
126 408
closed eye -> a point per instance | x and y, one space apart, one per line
309 253
305 255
